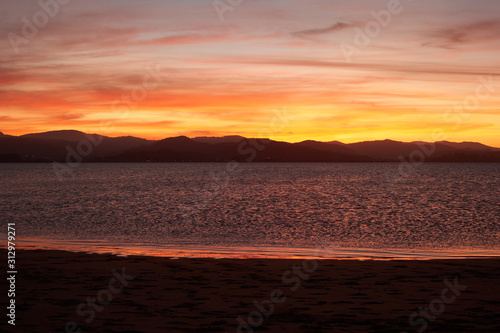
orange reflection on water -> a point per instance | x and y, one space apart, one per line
241 252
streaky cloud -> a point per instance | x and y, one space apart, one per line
321 31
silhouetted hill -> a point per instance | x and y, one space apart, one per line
468 146
224 139
336 143
67 135
389 150
328 146
55 145
183 149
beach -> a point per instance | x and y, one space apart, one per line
58 291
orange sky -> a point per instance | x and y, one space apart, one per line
280 69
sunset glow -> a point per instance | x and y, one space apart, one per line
289 70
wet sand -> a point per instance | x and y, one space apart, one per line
152 294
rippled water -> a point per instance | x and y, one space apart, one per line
289 205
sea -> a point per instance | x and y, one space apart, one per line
359 211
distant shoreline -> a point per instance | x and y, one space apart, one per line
78 147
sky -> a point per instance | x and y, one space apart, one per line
288 70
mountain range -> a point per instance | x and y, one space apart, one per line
70 145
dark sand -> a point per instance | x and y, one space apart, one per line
207 295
